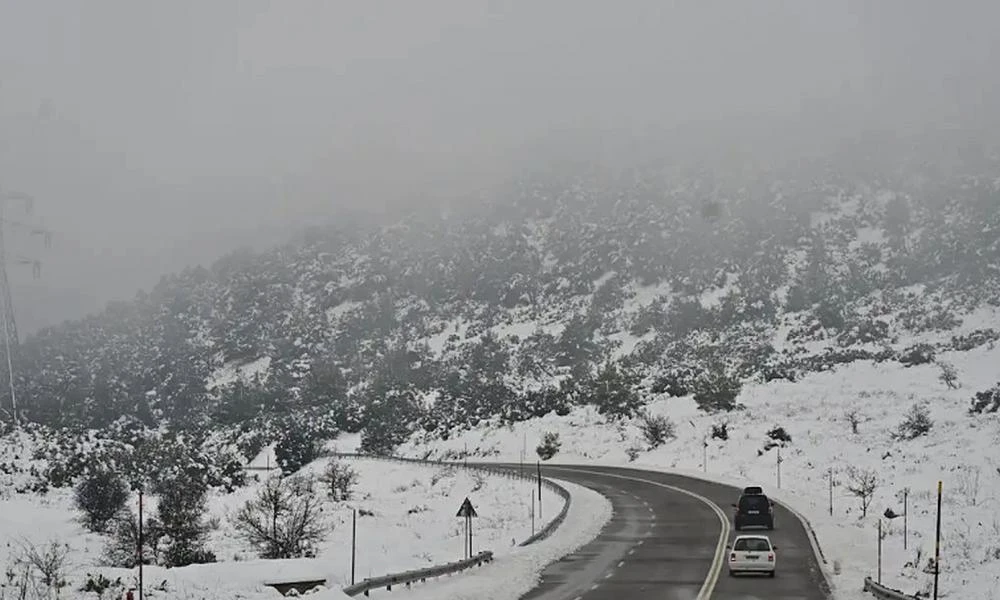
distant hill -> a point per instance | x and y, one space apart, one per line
567 287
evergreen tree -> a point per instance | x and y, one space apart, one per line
613 392
101 495
180 514
296 449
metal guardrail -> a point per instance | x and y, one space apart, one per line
884 593
407 577
510 472
554 524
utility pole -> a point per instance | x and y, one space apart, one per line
10 335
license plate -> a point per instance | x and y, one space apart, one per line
752 557
753 512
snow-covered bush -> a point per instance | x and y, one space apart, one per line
100 496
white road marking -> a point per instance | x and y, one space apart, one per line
716 569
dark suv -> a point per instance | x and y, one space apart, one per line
753 508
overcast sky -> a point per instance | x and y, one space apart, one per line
158 134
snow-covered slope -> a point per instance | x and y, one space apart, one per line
407 520
816 412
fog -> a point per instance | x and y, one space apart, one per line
155 135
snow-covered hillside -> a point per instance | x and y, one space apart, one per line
806 296
817 412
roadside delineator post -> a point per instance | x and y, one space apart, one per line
354 541
779 467
532 494
830 472
880 551
937 544
539 466
906 511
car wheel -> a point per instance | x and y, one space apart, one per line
732 573
771 574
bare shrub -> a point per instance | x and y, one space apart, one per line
657 429
968 484
284 520
39 570
948 375
478 480
338 479
916 423
862 484
633 452
854 420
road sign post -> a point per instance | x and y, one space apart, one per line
467 511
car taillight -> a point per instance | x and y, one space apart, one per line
732 556
770 558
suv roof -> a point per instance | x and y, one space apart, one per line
753 490
749 501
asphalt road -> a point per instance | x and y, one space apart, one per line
666 540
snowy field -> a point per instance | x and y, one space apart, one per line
959 450
409 522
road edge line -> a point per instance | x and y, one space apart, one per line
715 570
825 568
824 565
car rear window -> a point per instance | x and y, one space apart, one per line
752 545
753 503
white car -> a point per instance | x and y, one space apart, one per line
752 554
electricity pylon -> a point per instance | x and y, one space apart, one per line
9 323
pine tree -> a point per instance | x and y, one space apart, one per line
180 513
101 495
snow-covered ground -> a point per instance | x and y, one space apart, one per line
959 450
409 522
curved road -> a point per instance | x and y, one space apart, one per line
666 540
